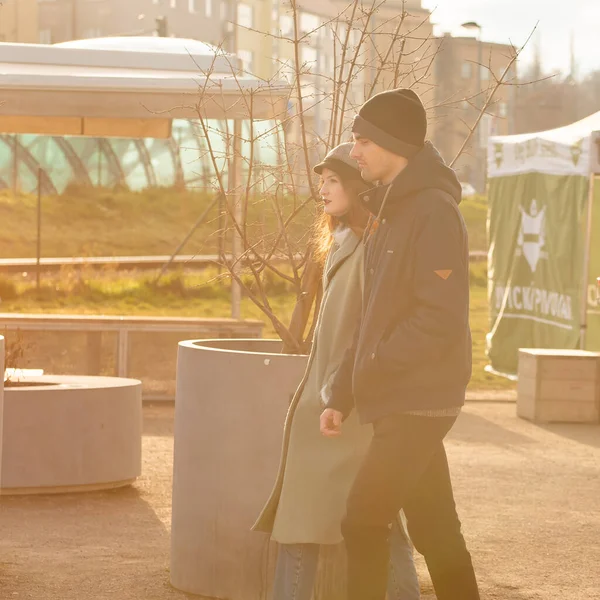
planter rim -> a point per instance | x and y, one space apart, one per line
70 382
202 345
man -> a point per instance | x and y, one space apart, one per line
410 362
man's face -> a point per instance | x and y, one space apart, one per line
375 163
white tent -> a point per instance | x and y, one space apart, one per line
544 227
569 150
127 87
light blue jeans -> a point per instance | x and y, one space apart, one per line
296 569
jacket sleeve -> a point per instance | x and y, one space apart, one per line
440 291
339 391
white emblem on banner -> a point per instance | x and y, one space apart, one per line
532 235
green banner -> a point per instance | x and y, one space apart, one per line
536 235
593 330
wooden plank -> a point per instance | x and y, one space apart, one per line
41 125
574 390
527 386
176 104
123 353
567 411
528 365
578 368
130 128
119 320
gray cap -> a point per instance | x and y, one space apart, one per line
340 161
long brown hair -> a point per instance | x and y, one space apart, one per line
356 218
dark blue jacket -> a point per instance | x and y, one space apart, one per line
412 349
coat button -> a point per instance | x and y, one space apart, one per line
371 271
373 356
383 222
366 198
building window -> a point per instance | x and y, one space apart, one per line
308 22
467 70
286 25
484 72
173 3
323 62
309 57
45 36
93 32
247 57
244 15
192 6
502 109
208 8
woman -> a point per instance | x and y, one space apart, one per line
309 498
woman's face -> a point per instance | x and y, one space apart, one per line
335 199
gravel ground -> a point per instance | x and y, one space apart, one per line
529 498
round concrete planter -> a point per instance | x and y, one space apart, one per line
1 399
69 434
232 398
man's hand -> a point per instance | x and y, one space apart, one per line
331 422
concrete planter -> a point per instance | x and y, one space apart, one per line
70 434
1 399
232 398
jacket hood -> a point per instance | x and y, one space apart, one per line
427 170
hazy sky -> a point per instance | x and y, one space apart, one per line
513 20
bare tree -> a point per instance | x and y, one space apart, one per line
271 202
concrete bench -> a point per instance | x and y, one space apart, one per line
559 386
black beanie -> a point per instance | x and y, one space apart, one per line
394 120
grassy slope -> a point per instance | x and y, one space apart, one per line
86 222
102 223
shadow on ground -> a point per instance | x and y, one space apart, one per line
587 435
475 429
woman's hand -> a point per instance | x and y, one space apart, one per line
331 422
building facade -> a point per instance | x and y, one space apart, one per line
453 75
466 70
65 20
19 21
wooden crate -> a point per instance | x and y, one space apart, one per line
559 386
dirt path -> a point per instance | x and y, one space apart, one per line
529 498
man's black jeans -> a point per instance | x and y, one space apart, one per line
406 468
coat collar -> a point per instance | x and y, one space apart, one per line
338 256
374 198
425 170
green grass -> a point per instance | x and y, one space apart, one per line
474 212
198 295
96 222
99 222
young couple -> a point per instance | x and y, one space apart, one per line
386 377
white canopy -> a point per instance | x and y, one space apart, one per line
570 150
126 87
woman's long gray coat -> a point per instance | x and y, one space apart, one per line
315 474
